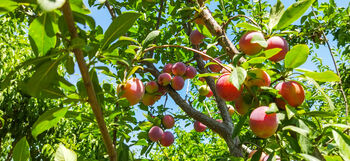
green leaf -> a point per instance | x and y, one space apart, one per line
333 158
275 14
343 143
272 108
308 157
296 129
42 33
78 6
84 19
80 116
149 38
296 56
239 125
145 125
330 102
290 111
293 13
7 6
271 52
97 87
319 114
21 150
69 65
337 125
142 142
48 120
327 76
124 38
259 40
248 26
64 154
238 76
133 70
208 75
124 152
119 27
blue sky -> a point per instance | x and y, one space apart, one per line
103 19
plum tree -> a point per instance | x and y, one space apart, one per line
177 83
277 42
292 93
225 89
133 90
262 124
257 77
196 37
164 79
167 139
155 133
247 46
151 87
199 127
168 121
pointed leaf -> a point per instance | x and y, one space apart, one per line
308 157
343 143
7 6
290 111
259 40
239 125
330 102
297 56
296 129
42 33
119 27
275 14
78 6
294 12
238 76
48 120
150 37
271 52
64 154
133 70
272 108
248 26
327 76
21 150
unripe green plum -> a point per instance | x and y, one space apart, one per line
204 90
148 99
263 125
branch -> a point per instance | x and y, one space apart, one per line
336 67
229 20
110 9
189 49
68 16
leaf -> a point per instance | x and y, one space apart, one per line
330 102
293 13
290 111
259 40
248 26
78 6
7 6
272 108
208 75
343 143
119 27
272 52
297 56
64 154
124 152
80 116
308 157
97 87
142 142
48 120
275 14
337 125
239 125
124 38
21 150
238 76
69 65
149 38
333 158
42 34
296 129
84 19
133 70
327 76
319 114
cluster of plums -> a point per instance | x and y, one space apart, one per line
174 74
165 138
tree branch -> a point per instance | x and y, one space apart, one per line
110 9
68 16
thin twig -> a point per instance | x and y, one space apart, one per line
68 16
230 19
336 67
110 9
189 49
